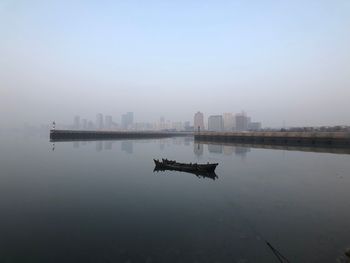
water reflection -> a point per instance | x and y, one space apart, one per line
215 148
188 140
228 150
76 205
108 145
127 146
211 175
198 149
99 146
162 145
242 149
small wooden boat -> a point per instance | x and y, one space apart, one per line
185 167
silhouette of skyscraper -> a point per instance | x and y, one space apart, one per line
108 122
127 120
99 121
242 122
84 124
198 121
229 121
215 123
76 124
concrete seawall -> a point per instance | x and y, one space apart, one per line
299 148
74 135
331 139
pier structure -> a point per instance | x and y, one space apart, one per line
331 139
74 135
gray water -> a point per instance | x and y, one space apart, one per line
102 202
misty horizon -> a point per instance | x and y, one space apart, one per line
174 131
282 63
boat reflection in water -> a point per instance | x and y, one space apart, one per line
200 170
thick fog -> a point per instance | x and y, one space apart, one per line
281 62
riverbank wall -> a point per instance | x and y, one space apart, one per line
71 135
332 139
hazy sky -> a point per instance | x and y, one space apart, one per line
277 60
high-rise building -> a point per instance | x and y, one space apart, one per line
108 122
177 126
99 121
90 125
76 124
84 124
127 120
255 126
229 121
161 125
198 122
215 123
242 122
187 126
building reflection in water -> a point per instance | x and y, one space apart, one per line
76 145
198 149
161 145
242 151
177 141
188 140
108 145
127 146
99 146
228 150
215 148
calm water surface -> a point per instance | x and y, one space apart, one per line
102 202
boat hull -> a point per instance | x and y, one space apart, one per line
172 165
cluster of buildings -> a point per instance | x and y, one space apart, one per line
225 122
104 122
127 123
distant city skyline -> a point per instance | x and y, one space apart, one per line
228 121
285 63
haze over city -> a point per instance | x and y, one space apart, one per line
175 131
280 62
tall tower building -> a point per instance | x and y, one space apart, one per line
242 122
76 122
108 122
99 121
127 120
198 121
215 123
84 124
229 121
